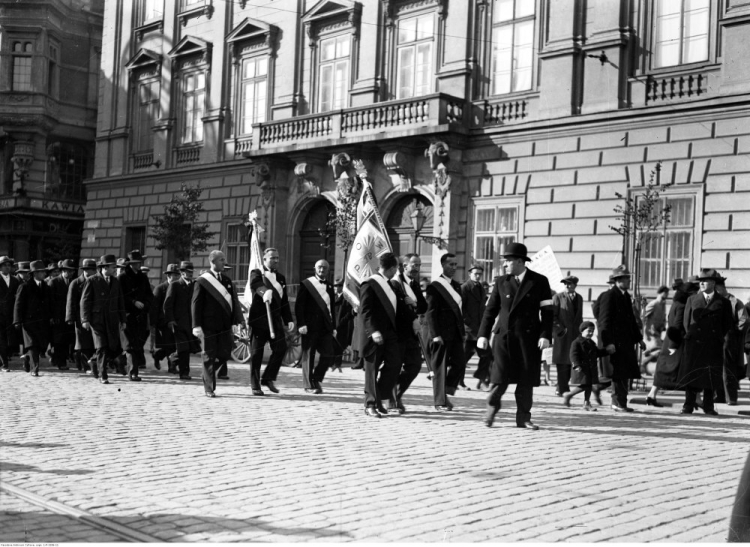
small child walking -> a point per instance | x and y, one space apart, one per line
584 355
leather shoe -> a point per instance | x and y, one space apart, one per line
489 417
443 408
653 402
35 374
185 377
528 425
258 392
224 377
103 380
269 385
710 412
395 410
482 386
371 412
566 399
311 390
598 399
63 367
684 410
135 378
618 408
210 394
157 365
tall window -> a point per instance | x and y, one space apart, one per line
334 72
135 239
22 57
150 10
53 71
147 114
668 254
254 88
193 106
681 35
495 226
415 40
512 45
238 252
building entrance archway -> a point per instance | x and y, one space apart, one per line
403 226
316 240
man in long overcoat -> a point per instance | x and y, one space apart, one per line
163 335
32 316
138 296
63 333
519 313
103 312
177 316
8 288
734 356
707 320
474 300
84 347
567 318
619 330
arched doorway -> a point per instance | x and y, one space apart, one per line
409 212
316 240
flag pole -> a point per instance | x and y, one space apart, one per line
255 257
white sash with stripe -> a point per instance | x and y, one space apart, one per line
321 288
387 289
219 287
407 287
271 276
451 291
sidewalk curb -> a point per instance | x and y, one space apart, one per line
128 534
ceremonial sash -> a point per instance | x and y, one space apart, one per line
318 291
387 289
451 291
407 288
217 290
276 285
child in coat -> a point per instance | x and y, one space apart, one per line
584 355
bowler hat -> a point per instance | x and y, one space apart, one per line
516 250
620 271
570 279
709 274
5 260
23 267
123 262
37 266
185 265
107 260
88 264
135 256
172 269
68 264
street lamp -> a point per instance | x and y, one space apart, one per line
417 221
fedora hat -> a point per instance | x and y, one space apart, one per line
5 260
68 264
516 250
185 265
23 267
620 271
708 274
172 269
136 256
123 262
52 267
107 260
570 279
88 264
37 266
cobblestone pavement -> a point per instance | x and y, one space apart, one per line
159 457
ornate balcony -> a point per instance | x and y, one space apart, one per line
672 87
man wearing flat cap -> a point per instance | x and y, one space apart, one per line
8 289
619 332
177 314
31 314
708 318
567 317
519 314
63 334
163 335
84 341
136 291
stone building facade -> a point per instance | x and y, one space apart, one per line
49 62
478 122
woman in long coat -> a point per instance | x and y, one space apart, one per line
567 317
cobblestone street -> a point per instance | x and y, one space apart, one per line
162 460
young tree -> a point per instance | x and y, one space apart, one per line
177 229
342 222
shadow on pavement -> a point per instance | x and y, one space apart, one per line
31 445
10 466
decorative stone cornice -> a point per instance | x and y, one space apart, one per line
306 182
331 15
394 8
400 168
252 34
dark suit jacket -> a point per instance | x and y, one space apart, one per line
421 301
8 300
281 313
311 310
213 314
519 318
102 305
84 339
474 304
32 312
376 311
177 309
61 331
566 322
618 326
156 315
444 317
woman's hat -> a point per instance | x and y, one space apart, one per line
516 250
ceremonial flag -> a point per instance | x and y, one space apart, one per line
370 242
256 257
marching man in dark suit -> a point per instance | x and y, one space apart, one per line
445 322
177 315
474 303
103 312
619 332
138 295
268 286
32 315
163 336
519 314
314 312
84 347
214 309
378 307
8 288
62 333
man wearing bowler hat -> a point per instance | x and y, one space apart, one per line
103 312
519 313
179 322
63 334
620 333
136 291
31 314
84 344
567 310
163 335
8 288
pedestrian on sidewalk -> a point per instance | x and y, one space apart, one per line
584 356
567 316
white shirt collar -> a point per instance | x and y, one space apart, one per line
521 276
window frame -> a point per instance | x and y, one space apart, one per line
53 69
183 99
240 92
142 18
435 42
22 55
536 18
495 203
320 64
138 130
239 269
127 242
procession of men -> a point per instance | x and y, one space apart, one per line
101 319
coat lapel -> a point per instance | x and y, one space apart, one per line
523 289
449 299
